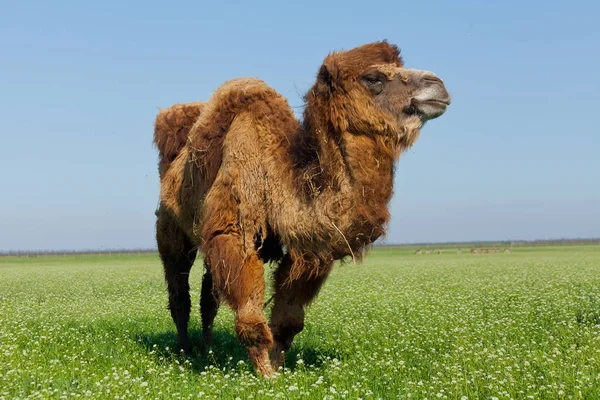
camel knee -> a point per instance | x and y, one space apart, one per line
253 331
284 333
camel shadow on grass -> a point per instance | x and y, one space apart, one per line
226 351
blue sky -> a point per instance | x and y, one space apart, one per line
514 157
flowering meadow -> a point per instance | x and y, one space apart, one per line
520 325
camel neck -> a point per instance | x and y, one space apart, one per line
349 178
371 169
344 162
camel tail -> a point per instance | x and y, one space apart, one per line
171 129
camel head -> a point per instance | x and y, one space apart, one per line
367 91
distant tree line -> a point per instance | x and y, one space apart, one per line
473 244
502 243
46 253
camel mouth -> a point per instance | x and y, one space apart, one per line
443 103
431 108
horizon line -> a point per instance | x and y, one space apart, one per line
153 249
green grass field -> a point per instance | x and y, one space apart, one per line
518 325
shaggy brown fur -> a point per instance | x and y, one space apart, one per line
242 179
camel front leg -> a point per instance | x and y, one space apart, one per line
239 277
292 295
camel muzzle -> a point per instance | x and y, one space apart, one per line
431 97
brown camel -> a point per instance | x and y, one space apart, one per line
247 183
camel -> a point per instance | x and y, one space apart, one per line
246 183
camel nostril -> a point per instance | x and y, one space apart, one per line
432 79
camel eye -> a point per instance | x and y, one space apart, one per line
373 83
372 80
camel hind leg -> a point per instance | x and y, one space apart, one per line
292 295
209 305
177 253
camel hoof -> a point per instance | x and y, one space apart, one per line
207 338
277 357
266 371
184 349
260 362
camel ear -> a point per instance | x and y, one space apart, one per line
325 79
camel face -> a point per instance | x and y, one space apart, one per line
368 91
406 92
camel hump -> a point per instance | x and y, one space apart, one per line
238 94
234 97
241 84
172 127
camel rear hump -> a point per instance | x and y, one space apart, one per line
171 130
